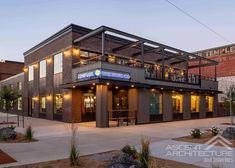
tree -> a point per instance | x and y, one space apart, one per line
230 94
8 98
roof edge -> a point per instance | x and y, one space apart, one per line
67 29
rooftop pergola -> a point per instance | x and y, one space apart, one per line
145 49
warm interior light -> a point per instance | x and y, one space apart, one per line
111 59
132 86
116 87
93 84
161 88
107 83
182 73
74 86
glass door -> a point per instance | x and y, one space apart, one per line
88 107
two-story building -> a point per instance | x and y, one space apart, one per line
115 78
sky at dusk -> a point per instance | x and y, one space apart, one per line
25 23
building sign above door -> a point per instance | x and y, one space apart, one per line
100 73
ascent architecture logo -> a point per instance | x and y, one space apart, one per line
218 140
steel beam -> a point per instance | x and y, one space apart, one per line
130 45
201 65
153 50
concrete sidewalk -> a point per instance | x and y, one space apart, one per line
54 138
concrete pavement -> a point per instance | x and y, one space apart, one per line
54 138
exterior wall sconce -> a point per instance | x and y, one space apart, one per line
49 60
35 65
25 69
35 98
67 53
76 51
49 97
66 96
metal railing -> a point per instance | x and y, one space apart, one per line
152 71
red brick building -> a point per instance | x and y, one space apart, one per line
10 68
225 55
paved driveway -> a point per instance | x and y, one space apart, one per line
54 138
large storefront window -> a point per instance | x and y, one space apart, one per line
58 103
195 103
58 63
43 105
209 103
177 103
155 103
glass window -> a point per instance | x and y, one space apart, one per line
177 103
120 100
195 103
19 103
58 103
31 73
155 103
43 104
88 103
19 85
58 63
43 69
209 103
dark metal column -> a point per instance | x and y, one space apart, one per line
163 65
142 54
215 71
200 73
103 47
186 75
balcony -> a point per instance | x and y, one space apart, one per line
152 71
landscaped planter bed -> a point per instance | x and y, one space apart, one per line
206 136
20 138
100 161
5 158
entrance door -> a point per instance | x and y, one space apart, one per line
120 100
88 107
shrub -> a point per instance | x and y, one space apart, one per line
29 133
12 127
215 130
74 153
2 137
131 151
144 154
196 133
